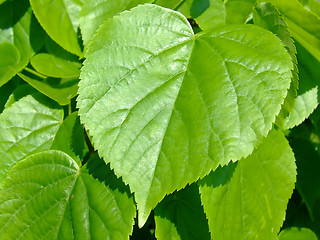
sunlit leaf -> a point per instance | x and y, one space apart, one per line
248 199
178 104
27 126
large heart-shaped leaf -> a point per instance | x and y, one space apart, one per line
27 126
165 106
48 196
248 199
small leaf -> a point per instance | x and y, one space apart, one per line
20 37
48 196
94 13
54 17
53 66
248 199
27 126
304 105
180 216
62 90
178 104
225 12
295 233
70 138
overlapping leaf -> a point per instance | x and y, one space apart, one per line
268 17
53 66
303 24
225 12
47 195
60 19
295 233
181 216
248 199
18 43
178 104
27 126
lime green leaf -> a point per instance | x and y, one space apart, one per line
267 16
304 105
47 195
185 7
173 4
295 233
2 1
27 126
62 90
312 5
55 18
303 24
53 66
225 12
70 138
248 199
20 37
94 13
180 216
9 59
178 104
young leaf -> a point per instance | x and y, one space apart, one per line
248 199
303 24
27 126
20 37
53 66
180 216
94 13
70 138
62 90
178 104
55 18
267 16
47 195
295 233
304 105
225 12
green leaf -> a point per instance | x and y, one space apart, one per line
173 4
180 216
20 37
94 13
55 17
295 233
47 195
27 126
312 5
303 24
178 104
18 93
53 66
248 199
70 138
267 16
5 92
62 90
225 12
304 105
308 163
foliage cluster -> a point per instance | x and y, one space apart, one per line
159 119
